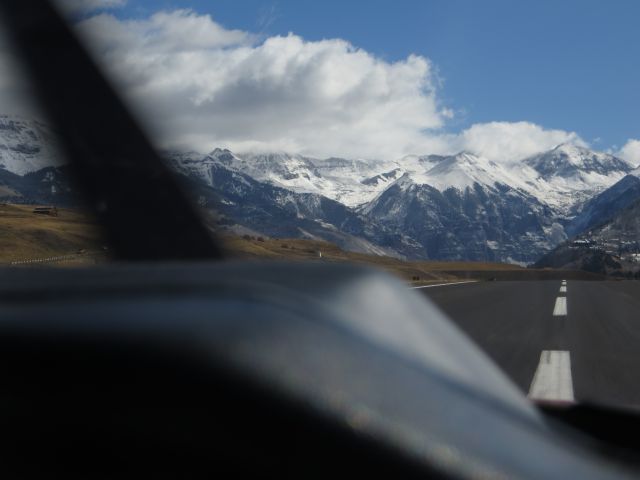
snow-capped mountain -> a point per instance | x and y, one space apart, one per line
466 207
578 163
569 175
31 168
606 205
26 145
460 206
241 201
459 172
455 207
346 181
608 234
563 178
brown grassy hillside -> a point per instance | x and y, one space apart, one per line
416 272
25 235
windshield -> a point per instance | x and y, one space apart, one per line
484 154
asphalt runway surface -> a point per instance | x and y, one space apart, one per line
559 341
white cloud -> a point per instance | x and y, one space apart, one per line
630 152
84 6
202 85
512 141
205 86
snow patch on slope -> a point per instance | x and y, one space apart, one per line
27 145
460 171
339 179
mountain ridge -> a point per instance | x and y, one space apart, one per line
453 207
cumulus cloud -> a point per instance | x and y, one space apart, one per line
202 85
630 152
84 6
512 141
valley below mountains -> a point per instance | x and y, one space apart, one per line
429 207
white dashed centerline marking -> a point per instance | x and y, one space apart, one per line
560 308
552 380
563 289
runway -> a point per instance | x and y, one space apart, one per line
564 341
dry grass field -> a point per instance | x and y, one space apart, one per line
312 250
25 235
414 272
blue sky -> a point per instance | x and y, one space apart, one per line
376 79
571 65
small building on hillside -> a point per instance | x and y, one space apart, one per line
51 211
